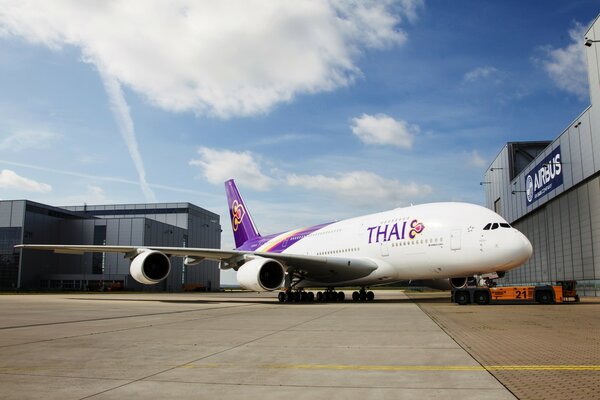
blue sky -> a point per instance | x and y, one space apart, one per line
320 110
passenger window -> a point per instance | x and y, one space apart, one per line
487 227
494 226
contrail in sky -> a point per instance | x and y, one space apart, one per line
121 113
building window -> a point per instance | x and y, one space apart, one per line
98 258
497 206
9 257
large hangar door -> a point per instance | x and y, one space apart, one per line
455 240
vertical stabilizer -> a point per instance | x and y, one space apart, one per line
241 221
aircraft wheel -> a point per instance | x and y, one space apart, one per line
341 296
363 295
370 296
289 297
320 297
303 297
355 296
281 297
310 297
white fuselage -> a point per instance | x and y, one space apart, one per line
429 241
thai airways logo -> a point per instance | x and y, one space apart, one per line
238 213
397 231
416 228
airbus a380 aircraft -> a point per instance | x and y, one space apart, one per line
430 242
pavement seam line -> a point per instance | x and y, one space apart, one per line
128 329
214 354
443 328
119 317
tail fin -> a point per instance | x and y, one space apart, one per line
241 221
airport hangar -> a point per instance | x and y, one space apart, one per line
167 224
550 191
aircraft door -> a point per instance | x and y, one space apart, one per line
385 251
455 239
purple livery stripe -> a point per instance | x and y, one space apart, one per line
282 241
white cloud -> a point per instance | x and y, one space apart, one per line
285 138
362 188
476 160
221 165
479 73
11 180
28 139
566 66
382 129
225 57
91 195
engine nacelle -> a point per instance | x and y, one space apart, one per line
459 283
150 267
261 274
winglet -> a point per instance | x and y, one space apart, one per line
241 221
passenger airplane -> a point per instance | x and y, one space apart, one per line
451 242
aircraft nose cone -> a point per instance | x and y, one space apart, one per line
523 247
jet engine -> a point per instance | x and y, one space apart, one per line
261 274
459 283
150 267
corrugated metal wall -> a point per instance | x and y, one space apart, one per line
565 235
564 224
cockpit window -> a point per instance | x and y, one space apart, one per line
487 227
494 226
504 225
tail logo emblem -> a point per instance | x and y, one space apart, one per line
238 213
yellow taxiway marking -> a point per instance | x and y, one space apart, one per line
411 367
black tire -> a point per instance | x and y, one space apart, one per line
355 296
289 297
341 296
482 298
461 298
370 296
544 297
320 297
311 297
303 297
281 297
363 296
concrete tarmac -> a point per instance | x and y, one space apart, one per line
230 345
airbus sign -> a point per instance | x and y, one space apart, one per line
546 176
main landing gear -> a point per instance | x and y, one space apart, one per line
300 296
329 295
363 295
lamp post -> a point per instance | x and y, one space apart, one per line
589 42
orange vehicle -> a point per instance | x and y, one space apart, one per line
563 292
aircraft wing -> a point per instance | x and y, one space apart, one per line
313 268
